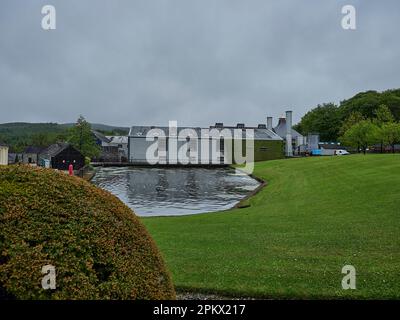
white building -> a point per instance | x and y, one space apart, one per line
3 154
203 146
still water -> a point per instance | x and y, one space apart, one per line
175 191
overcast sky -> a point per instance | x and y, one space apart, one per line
144 62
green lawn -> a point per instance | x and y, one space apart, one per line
314 216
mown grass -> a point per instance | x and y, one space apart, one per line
314 216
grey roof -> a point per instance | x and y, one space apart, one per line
280 129
118 139
53 150
33 149
259 134
101 136
265 134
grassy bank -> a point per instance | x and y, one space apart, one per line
314 216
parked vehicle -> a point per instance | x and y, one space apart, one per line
329 152
315 152
341 152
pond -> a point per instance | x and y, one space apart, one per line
175 191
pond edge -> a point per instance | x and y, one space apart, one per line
243 203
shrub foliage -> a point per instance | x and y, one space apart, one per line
98 246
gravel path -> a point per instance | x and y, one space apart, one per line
184 295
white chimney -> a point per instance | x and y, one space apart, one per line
289 148
269 123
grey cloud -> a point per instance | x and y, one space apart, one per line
149 61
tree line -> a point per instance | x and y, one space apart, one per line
369 118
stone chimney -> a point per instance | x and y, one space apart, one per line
269 123
289 148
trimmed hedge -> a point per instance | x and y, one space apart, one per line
98 246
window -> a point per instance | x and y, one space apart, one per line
222 145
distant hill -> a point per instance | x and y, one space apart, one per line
18 135
101 127
22 128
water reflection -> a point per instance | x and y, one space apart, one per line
175 191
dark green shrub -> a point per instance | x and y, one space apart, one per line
98 246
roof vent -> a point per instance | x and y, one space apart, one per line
240 125
262 126
219 125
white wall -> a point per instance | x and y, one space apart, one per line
300 141
327 152
3 155
138 147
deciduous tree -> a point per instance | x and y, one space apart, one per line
383 116
325 120
390 134
354 118
361 135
